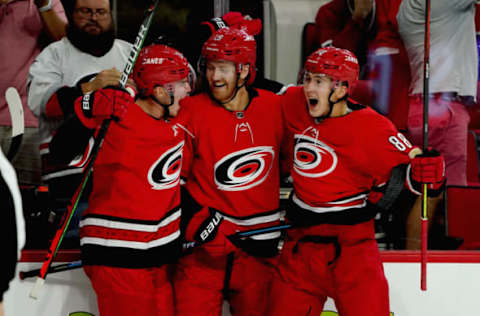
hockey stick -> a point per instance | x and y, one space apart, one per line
71 208
424 215
18 125
60 268
186 246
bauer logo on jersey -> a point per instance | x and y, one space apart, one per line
86 102
165 172
244 169
312 158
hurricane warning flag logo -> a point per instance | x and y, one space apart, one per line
312 158
244 169
165 172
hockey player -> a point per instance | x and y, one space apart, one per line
341 150
87 59
130 231
232 182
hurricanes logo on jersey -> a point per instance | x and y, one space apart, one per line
244 169
312 158
165 172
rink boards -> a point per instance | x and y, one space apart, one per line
453 286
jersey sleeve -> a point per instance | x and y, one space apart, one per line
70 140
388 147
387 36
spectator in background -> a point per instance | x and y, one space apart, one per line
347 24
474 111
389 71
452 85
87 59
368 29
24 26
12 225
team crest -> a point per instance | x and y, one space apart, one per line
244 169
165 172
312 158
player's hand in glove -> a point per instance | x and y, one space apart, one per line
429 168
110 102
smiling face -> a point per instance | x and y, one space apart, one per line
223 79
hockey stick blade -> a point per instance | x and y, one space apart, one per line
16 111
18 124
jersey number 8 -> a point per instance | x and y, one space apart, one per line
400 141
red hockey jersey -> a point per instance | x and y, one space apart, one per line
337 161
233 163
133 214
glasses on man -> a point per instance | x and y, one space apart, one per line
88 13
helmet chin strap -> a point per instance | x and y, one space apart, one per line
166 112
331 104
237 88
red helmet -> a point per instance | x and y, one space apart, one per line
338 64
158 65
232 45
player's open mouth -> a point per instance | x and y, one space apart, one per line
312 101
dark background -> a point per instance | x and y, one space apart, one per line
179 21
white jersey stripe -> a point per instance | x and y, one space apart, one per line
107 223
357 197
129 244
300 203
